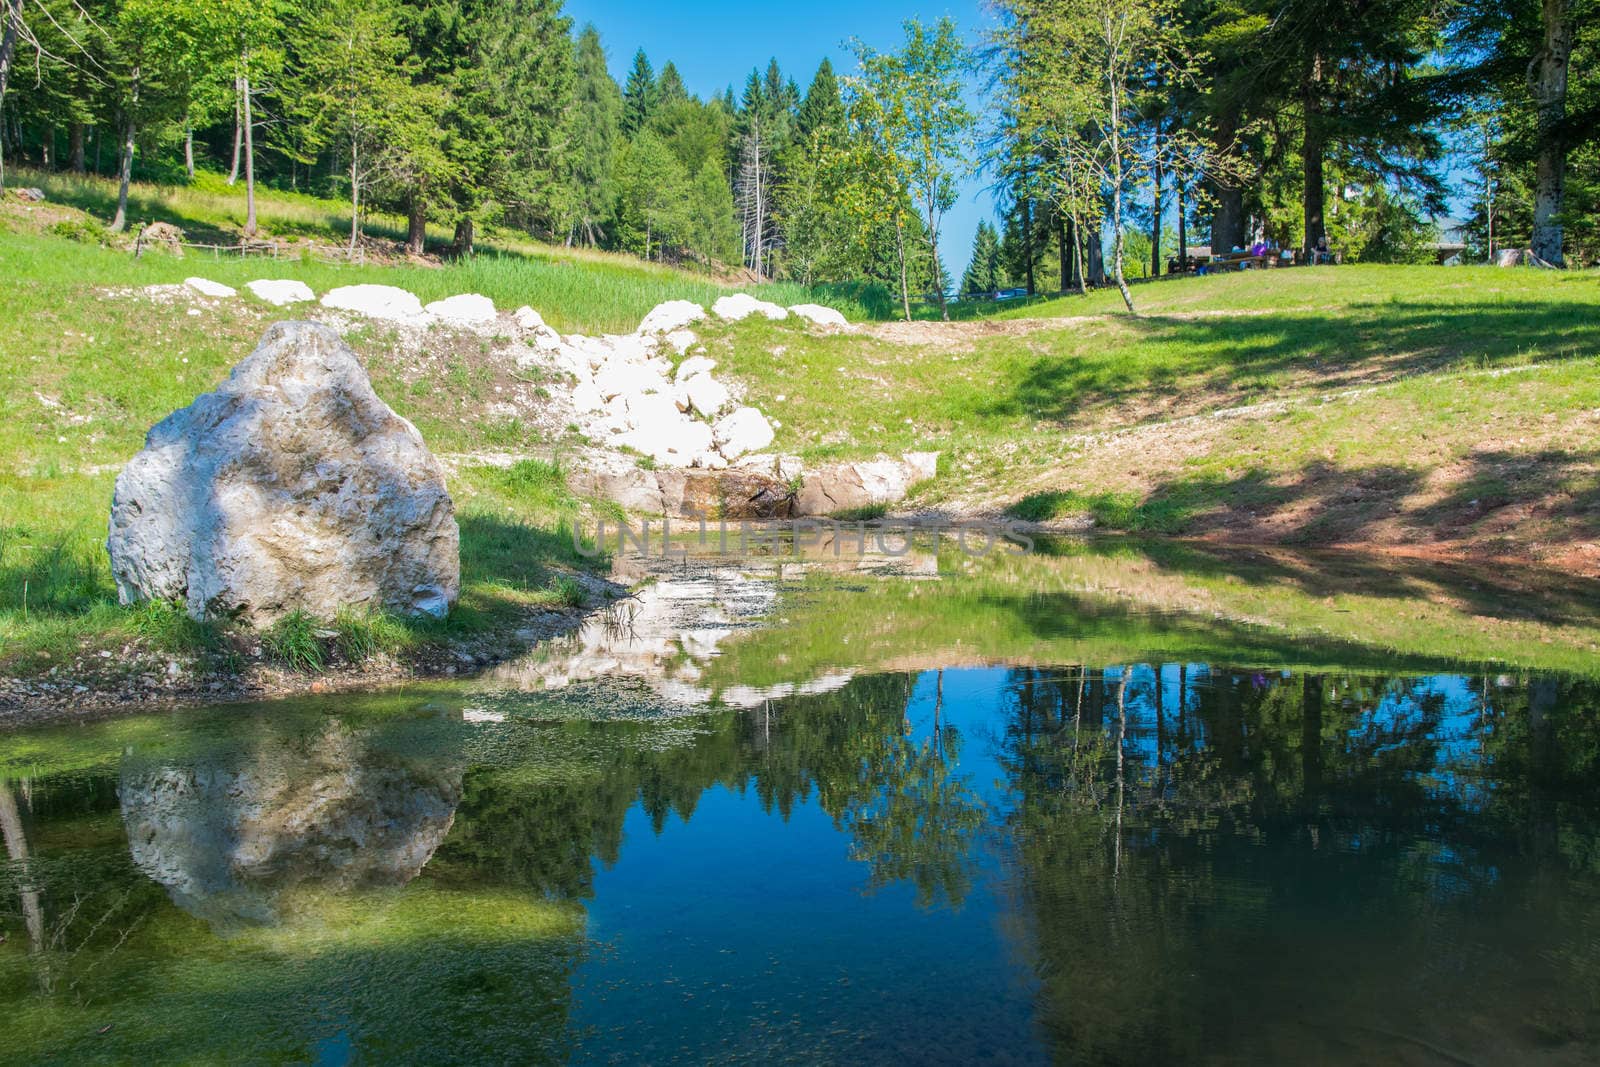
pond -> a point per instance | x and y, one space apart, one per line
1103 803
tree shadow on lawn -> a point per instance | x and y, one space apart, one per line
504 561
1365 343
98 198
1325 504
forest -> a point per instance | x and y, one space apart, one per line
1115 134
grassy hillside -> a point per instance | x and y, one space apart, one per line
583 290
1434 408
1438 411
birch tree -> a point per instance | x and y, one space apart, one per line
1073 68
918 92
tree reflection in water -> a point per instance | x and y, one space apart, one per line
1192 861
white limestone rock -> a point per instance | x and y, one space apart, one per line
819 315
664 434
586 398
527 319
743 305
293 486
466 309
383 302
744 430
706 394
670 316
280 292
694 365
680 340
207 287
616 380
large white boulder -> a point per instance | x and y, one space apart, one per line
670 316
743 305
680 340
383 302
743 430
708 395
293 486
819 314
280 292
466 309
526 318
207 287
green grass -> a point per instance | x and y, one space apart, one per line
575 290
1405 394
1393 410
1115 600
295 641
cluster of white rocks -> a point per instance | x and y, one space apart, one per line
634 391
627 393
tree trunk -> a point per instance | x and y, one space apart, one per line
75 147
16 843
355 197
938 272
900 251
1077 278
8 49
1312 152
8 44
1116 225
1183 227
1547 76
249 160
119 222
1227 218
417 224
1096 258
1027 242
238 136
466 232
1064 252
188 148
47 146
1311 700
1155 214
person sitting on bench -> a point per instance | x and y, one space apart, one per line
1321 253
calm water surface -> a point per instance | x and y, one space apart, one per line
802 814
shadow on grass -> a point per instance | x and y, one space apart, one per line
1362 341
1327 502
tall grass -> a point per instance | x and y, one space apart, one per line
575 290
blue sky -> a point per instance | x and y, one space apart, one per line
715 43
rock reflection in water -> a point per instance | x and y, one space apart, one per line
669 630
232 836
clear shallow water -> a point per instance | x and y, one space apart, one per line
633 849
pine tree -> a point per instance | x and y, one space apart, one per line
591 128
983 277
669 87
528 61
823 108
638 95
